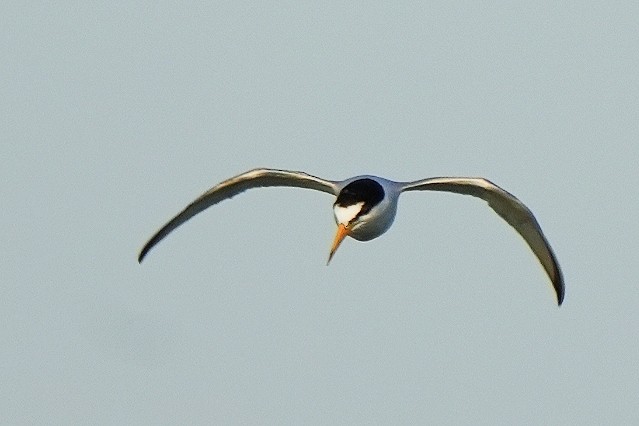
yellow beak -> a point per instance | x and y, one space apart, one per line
342 232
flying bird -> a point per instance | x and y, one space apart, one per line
365 207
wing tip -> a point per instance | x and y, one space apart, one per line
144 252
560 289
560 296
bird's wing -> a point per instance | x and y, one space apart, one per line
233 186
509 208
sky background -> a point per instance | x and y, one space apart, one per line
114 116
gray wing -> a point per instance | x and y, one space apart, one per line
233 186
510 209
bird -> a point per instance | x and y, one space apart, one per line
365 207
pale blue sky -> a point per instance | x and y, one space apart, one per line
113 118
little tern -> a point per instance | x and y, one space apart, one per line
365 207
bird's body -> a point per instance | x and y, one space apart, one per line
365 207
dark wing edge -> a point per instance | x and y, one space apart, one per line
511 209
255 178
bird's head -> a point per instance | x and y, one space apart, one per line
356 213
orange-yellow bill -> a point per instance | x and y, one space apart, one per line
342 232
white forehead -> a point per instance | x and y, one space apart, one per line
345 214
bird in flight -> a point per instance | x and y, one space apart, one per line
365 207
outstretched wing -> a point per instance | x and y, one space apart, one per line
510 209
252 179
